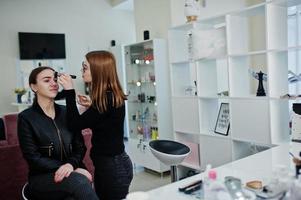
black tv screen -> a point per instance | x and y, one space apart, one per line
42 46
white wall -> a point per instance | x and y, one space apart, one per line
152 15
87 24
159 15
212 8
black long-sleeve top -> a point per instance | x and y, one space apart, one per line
107 127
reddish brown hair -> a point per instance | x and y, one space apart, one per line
104 78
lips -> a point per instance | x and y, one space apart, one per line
54 90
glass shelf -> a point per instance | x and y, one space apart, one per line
141 90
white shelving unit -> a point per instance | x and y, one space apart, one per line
253 38
148 108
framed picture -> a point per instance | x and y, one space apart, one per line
223 122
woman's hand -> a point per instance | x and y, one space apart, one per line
62 172
85 173
66 81
84 100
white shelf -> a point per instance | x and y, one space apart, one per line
186 97
251 53
253 10
250 98
285 3
184 27
213 134
211 59
186 133
181 62
256 38
209 97
218 20
246 30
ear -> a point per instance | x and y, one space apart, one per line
33 88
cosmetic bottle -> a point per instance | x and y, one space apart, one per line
209 184
205 186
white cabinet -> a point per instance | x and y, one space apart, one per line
210 69
148 109
141 155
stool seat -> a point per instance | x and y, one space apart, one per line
25 191
169 152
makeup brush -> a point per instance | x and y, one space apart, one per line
56 74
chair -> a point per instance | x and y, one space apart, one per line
14 172
3 140
10 127
87 134
170 153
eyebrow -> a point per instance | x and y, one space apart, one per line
47 77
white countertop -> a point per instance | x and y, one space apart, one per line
255 167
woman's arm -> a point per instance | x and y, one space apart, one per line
30 148
76 121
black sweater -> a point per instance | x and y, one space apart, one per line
107 127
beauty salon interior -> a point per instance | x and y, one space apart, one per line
213 88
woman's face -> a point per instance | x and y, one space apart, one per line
86 72
46 86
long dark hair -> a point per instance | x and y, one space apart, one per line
104 78
33 77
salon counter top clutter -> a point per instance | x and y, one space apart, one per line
272 169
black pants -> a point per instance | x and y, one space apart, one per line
76 187
112 176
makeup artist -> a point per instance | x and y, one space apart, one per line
105 116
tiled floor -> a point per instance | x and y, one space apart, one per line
145 179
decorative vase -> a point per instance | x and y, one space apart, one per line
19 98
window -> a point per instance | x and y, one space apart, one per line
294 44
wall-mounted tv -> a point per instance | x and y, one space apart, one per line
41 46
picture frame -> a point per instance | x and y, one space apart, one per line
222 125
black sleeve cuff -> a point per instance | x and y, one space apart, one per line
69 93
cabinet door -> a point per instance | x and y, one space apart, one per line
215 151
250 120
186 115
141 90
141 155
135 151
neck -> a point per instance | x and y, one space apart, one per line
47 106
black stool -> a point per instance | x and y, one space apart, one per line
170 153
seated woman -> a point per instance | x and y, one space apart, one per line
53 153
